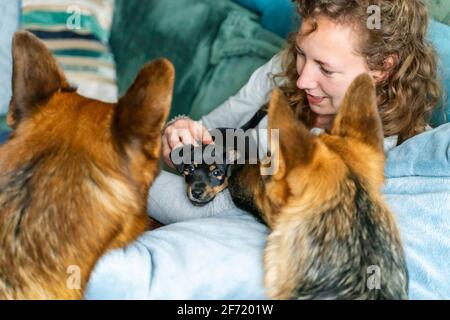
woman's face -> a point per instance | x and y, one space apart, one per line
327 63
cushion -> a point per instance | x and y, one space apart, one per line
274 13
277 16
182 31
240 47
3 136
8 24
3 125
77 34
438 35
440 10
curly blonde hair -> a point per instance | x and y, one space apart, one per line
409 94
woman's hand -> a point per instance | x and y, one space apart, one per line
183 131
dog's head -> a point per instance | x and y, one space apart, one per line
205 177
309 170
59 133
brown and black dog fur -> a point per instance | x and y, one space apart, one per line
328 221
75 173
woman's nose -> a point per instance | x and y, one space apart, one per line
307 79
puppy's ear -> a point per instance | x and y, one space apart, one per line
141 113
295 143
36 76
358 115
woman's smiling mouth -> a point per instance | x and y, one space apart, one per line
313 99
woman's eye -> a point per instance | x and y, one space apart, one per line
326 72
300 55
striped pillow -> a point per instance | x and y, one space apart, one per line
77 33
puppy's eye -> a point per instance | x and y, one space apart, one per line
189 169
217 173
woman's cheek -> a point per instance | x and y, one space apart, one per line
336 103
336 93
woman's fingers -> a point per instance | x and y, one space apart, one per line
206 136
182 132
186 137
200 133
173 138
166 150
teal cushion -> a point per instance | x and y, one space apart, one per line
438 34
277 16
3 126
182 31
3 136
440 10
241 46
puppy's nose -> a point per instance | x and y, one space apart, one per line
197 193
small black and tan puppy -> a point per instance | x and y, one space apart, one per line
205 176
206 168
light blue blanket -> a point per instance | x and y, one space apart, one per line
220 257
418 192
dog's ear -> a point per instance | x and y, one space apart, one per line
294 144
180 168
177 155
36 76
141 113
358 115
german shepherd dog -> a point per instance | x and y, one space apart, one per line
332 236
75 173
